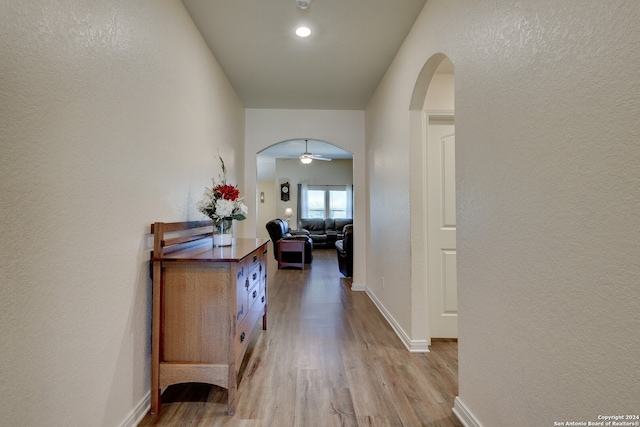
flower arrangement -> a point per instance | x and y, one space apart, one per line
222 202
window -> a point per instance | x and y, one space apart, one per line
338 204
325 201
316 204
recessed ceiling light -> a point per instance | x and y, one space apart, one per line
303 31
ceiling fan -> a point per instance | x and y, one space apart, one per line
307 157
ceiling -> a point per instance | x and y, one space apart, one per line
338 67
292 149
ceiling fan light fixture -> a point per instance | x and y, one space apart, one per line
303 31
308 157
303 4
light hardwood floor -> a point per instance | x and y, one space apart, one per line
328 358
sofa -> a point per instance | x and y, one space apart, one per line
279 229
344 248
324 231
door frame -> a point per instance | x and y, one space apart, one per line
427 117
420 336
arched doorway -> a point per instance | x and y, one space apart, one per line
434 287
280 164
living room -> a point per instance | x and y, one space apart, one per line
276 173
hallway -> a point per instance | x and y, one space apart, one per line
328 358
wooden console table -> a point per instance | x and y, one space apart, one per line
206 304
291 247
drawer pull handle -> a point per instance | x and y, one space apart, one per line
262 298
246 283
255 258
255 294
242 337
255 276
241 311
260 268
265 252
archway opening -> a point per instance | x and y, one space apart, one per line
434 287
280 164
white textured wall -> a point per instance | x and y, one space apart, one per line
345 129
110 115
441 94
267 210
548 184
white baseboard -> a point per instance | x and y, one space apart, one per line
419 346
138 413
358 287
464 415
414 346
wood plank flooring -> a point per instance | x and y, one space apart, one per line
328 358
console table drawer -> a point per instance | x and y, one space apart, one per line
244 334
254 276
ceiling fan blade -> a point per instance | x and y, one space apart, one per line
306 157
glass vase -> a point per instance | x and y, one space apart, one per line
223 232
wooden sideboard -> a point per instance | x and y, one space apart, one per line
206 304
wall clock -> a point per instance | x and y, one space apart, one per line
284 192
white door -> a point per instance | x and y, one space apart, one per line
441 228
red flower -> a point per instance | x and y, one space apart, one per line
227 192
